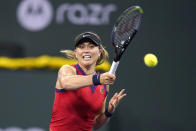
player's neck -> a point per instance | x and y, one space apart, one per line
88 69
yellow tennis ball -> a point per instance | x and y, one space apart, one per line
150 60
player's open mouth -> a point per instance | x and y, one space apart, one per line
87 57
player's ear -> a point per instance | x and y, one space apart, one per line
100 51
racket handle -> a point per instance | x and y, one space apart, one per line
114 67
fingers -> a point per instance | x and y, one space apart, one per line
107 79
114 101
120 97
112 106
121 94
115 95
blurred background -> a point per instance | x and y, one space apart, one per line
158 99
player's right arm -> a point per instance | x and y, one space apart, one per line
69 80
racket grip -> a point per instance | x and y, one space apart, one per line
114 67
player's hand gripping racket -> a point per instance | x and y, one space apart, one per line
123 32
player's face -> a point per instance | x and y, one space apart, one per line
87 53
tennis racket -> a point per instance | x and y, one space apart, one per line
123 32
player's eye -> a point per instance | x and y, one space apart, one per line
92 46
81 46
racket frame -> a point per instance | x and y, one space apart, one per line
120 48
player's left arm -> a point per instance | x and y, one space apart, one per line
101 119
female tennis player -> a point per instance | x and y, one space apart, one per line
81 92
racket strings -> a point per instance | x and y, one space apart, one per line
120 40
128 23
123 32
125 27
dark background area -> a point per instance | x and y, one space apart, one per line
158 99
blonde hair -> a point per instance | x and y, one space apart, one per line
103 57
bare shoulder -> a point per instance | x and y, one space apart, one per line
67 70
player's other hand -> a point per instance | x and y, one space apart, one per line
114 101
107 78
